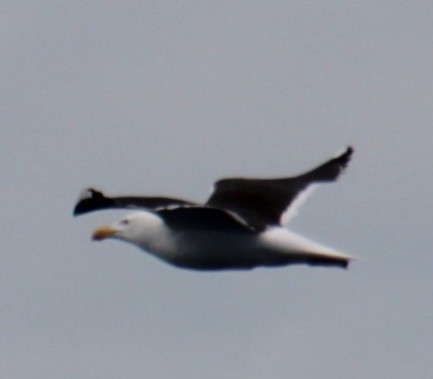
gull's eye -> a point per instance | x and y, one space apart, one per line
124 222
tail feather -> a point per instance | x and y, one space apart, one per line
293 248
329 261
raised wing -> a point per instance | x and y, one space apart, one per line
93 200
262 202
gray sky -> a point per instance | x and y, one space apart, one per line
165 97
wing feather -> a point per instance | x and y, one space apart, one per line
262 202
93 200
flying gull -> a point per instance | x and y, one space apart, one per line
241 225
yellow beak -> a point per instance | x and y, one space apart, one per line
103 232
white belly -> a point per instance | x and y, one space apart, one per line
216 250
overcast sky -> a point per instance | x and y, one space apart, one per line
164 97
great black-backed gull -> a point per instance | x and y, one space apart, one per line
241 226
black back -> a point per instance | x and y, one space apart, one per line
202 218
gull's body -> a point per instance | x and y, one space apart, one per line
240 227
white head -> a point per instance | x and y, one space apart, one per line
139 228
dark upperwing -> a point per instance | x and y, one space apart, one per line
258 202
261 202
93 200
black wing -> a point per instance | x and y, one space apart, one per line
261 202
203 218
93 200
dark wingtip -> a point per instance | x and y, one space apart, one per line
89 200
330 170
349 150
345 157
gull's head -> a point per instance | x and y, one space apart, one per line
136 228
